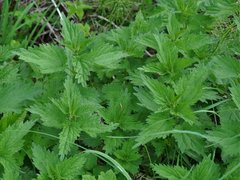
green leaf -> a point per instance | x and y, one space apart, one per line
72 167
227 137
107 175
5 52
14 96
235 93
11 118
173 26
163 95
72 113
68 135
111 144
120 107
189 143
8 73
158 125
11 142
76 8
88 177
229 112
73 35
193 41
205 170
233 170
222 9
145 99
50 115
128 157
171 173
190 88
50 166
43 159
104 55
226 67
48 58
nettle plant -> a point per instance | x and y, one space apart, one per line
159 99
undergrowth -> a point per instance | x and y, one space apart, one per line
154 93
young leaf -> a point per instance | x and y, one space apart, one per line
73 35
72 113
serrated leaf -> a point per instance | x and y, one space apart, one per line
10 143
111 144
72 113
190 88
9 119
222 9
193 41
128 157
227 137
104 55
8 73
107 175
158 126
50 166
71 168
68 135
146 99
163 95
119 110
73 35
226 67
235 93
187 142
171 173
14 96
48 58
50 115
5 52
205 170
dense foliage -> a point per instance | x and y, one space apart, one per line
152 97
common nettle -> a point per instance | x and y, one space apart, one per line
158 99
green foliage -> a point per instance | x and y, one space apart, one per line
204 170
73 114
15 95
156 99
51 167
11 143
48 58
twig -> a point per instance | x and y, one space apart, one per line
48 24
105 19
